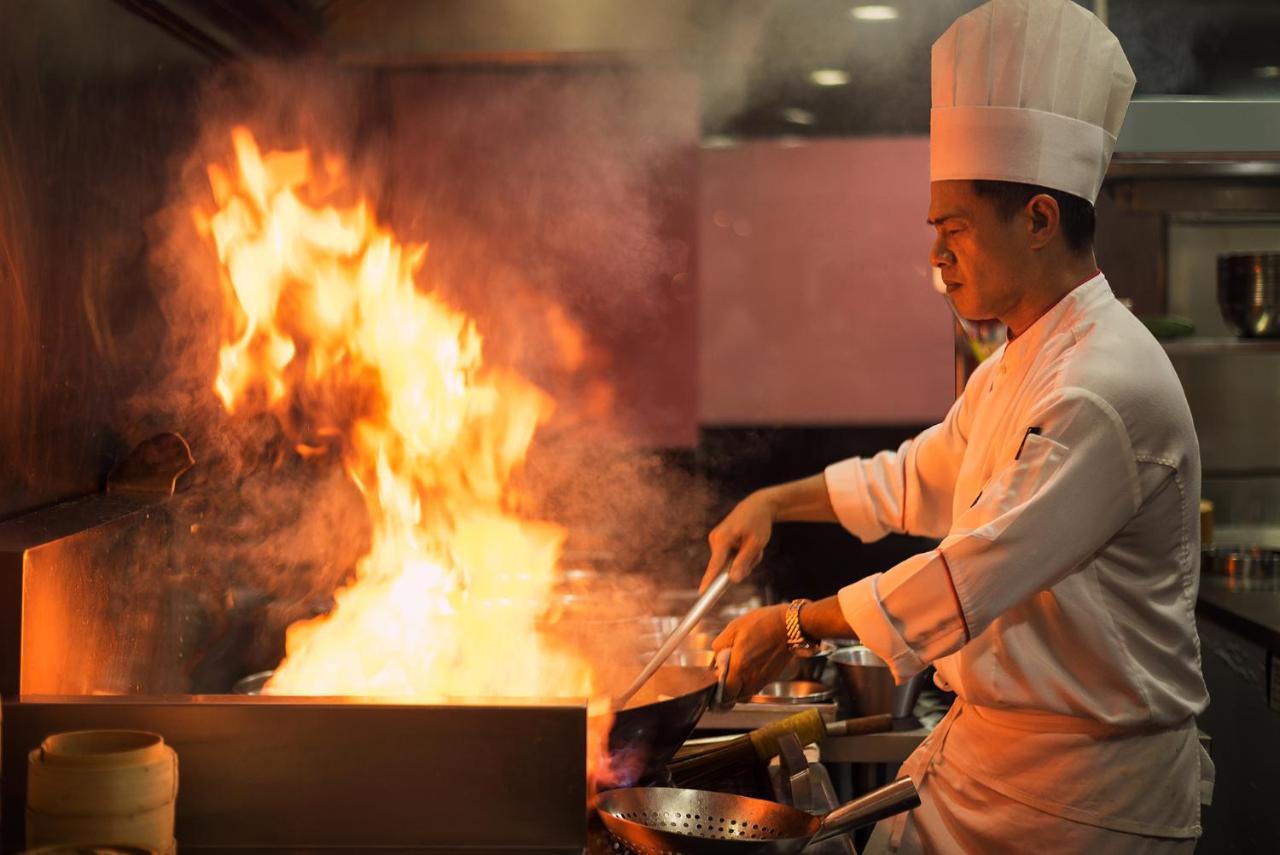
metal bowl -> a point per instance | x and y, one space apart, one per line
793 692
1243 568
252 685
810 667
1249 293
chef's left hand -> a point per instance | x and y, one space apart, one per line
758 641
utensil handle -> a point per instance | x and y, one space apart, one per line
874 806
704 604
861 726
810 728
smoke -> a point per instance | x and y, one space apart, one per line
557 211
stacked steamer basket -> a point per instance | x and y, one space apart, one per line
102 787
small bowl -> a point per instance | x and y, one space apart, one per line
810 667
793 692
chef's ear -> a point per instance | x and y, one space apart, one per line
1043 219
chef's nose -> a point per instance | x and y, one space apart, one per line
939 255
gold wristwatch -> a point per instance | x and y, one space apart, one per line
799 643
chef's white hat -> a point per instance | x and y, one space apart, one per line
1032 91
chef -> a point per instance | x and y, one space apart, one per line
1063 485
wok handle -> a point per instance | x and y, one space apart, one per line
704 604
861 726
874 806
810 728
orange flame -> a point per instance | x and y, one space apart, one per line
330 333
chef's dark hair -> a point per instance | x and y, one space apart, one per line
1010 197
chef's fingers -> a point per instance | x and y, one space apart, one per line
733 680
724 640
723 700
749 554
720 546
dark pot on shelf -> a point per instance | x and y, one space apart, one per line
1249 293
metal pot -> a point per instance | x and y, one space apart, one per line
1249 293
870 685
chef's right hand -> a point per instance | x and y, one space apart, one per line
741 538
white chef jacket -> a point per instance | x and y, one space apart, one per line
1059 606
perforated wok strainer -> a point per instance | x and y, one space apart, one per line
663 821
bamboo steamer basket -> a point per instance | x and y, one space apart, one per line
102 787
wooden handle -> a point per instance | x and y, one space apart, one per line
806 725
861 726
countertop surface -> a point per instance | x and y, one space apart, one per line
1252 614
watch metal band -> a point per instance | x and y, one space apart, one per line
798 642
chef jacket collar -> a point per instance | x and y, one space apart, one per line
1019 350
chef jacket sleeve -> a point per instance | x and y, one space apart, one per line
1040 516
907 491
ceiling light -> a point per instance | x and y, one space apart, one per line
874 13
829 76
798 116
1267 72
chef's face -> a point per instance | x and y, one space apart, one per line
983 257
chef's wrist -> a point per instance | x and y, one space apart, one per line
824 619
770 500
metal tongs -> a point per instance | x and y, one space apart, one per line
704 604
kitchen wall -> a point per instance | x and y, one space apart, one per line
93 102
815 297
1224 382
820 336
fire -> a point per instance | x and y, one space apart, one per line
329 332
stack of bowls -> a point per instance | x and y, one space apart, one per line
102 787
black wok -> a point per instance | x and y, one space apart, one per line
648 732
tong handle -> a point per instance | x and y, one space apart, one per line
709 598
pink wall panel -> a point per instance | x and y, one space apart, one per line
815 296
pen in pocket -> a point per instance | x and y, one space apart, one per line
1023 444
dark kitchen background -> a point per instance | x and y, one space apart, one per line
727 196
743 245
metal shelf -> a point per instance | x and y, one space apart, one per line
893 747
1198 345
1173 126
